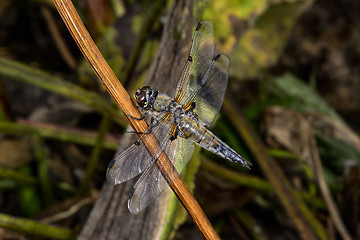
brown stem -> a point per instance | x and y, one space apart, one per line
122 99
307 225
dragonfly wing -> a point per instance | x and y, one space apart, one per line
209 95
199 60
152 183
136 158
180 152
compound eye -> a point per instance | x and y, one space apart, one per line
137 92
141 98
147 89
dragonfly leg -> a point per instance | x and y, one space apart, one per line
192 107
149 130
141 118
174 132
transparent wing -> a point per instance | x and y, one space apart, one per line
199 60
209 95
136 158
152 183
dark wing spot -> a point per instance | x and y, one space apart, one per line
190 59
216 57
199 80
137 143
131 193
193 105
174 136
198 26
111 164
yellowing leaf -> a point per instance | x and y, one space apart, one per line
260 46
220 14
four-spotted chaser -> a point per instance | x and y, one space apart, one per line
177 122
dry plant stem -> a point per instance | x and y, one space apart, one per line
59 133
145 29
122 99
4 109
18 177
254 183
241 179
302 217
70 211
34 227
58 39
351 173
43 170
94 158
325 191
36 77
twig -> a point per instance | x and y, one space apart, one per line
60 133
4 108
254 182
236 177
64 51
350 201
42 169
23 179
71 211
18 177
34 227
94 159
306 223
21 72
143 35
122 99
325 191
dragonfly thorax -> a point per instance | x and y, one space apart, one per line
178 112
162 103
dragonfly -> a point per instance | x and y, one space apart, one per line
178 123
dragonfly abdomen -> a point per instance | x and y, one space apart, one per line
199 134
191 129
220 148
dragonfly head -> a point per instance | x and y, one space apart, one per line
145 97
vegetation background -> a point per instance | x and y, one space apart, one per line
294 76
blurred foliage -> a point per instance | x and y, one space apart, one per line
241 10
30 201
297 95
261 45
